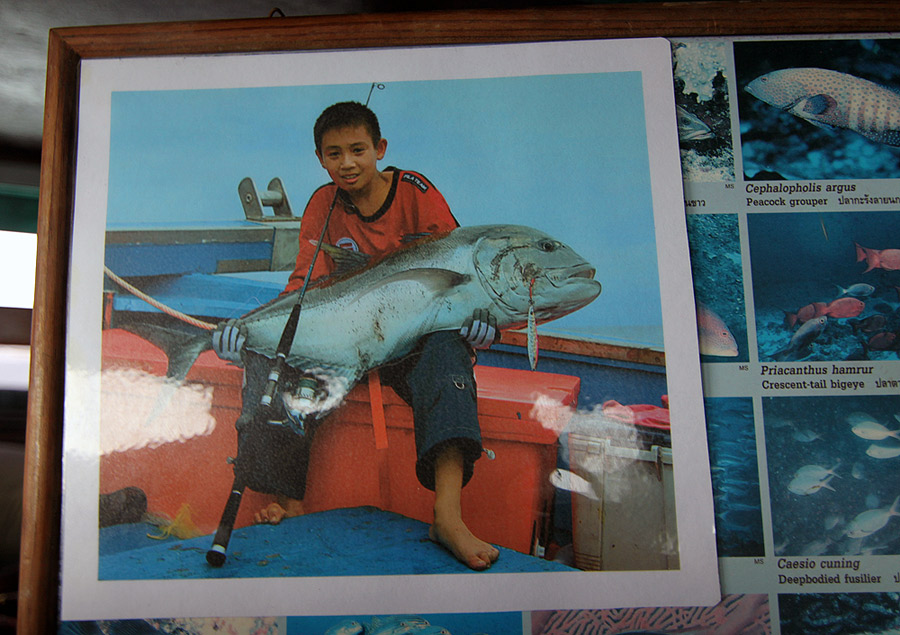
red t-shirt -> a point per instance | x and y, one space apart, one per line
413 206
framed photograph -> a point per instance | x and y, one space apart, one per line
174 186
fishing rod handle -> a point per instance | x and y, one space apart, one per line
216 554
272 381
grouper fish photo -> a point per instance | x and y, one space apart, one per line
832 99
376 312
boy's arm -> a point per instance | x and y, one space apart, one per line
434 212
310 229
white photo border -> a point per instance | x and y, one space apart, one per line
85 597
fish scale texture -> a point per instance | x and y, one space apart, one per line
354 541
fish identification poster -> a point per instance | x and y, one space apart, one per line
560 163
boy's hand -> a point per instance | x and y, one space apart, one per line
228 342
480 330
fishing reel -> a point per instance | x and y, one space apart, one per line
302 397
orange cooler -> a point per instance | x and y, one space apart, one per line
508 501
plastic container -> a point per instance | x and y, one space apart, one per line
626 521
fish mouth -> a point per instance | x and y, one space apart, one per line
698 135
565 275
573 287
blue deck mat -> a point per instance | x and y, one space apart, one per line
355 541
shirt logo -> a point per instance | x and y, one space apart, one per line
347 243
419 183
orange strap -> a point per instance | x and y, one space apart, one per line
376 401
379 427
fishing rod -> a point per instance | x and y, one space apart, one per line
216 554
290 327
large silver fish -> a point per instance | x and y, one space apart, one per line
831 99
376 315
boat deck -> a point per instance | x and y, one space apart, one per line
341 542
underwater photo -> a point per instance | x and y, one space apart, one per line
834 613
818 109
430 624
833 468
703 109
715 246
825 285
735 476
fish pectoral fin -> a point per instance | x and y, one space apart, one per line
436 280
817 104
345 260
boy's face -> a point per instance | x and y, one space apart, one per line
349 155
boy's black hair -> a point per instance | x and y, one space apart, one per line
342 115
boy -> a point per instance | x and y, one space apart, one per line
375 212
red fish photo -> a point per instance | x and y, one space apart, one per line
819 294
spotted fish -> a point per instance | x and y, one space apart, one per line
831 99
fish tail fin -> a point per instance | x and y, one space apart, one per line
869 255
182 350
182 347
790 318
184 356
781 356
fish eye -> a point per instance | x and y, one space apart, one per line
547 245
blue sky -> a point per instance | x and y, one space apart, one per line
564 153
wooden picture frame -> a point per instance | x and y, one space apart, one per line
38 590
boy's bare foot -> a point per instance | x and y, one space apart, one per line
448 528
463 544
275 512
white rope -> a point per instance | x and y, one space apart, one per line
159 305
